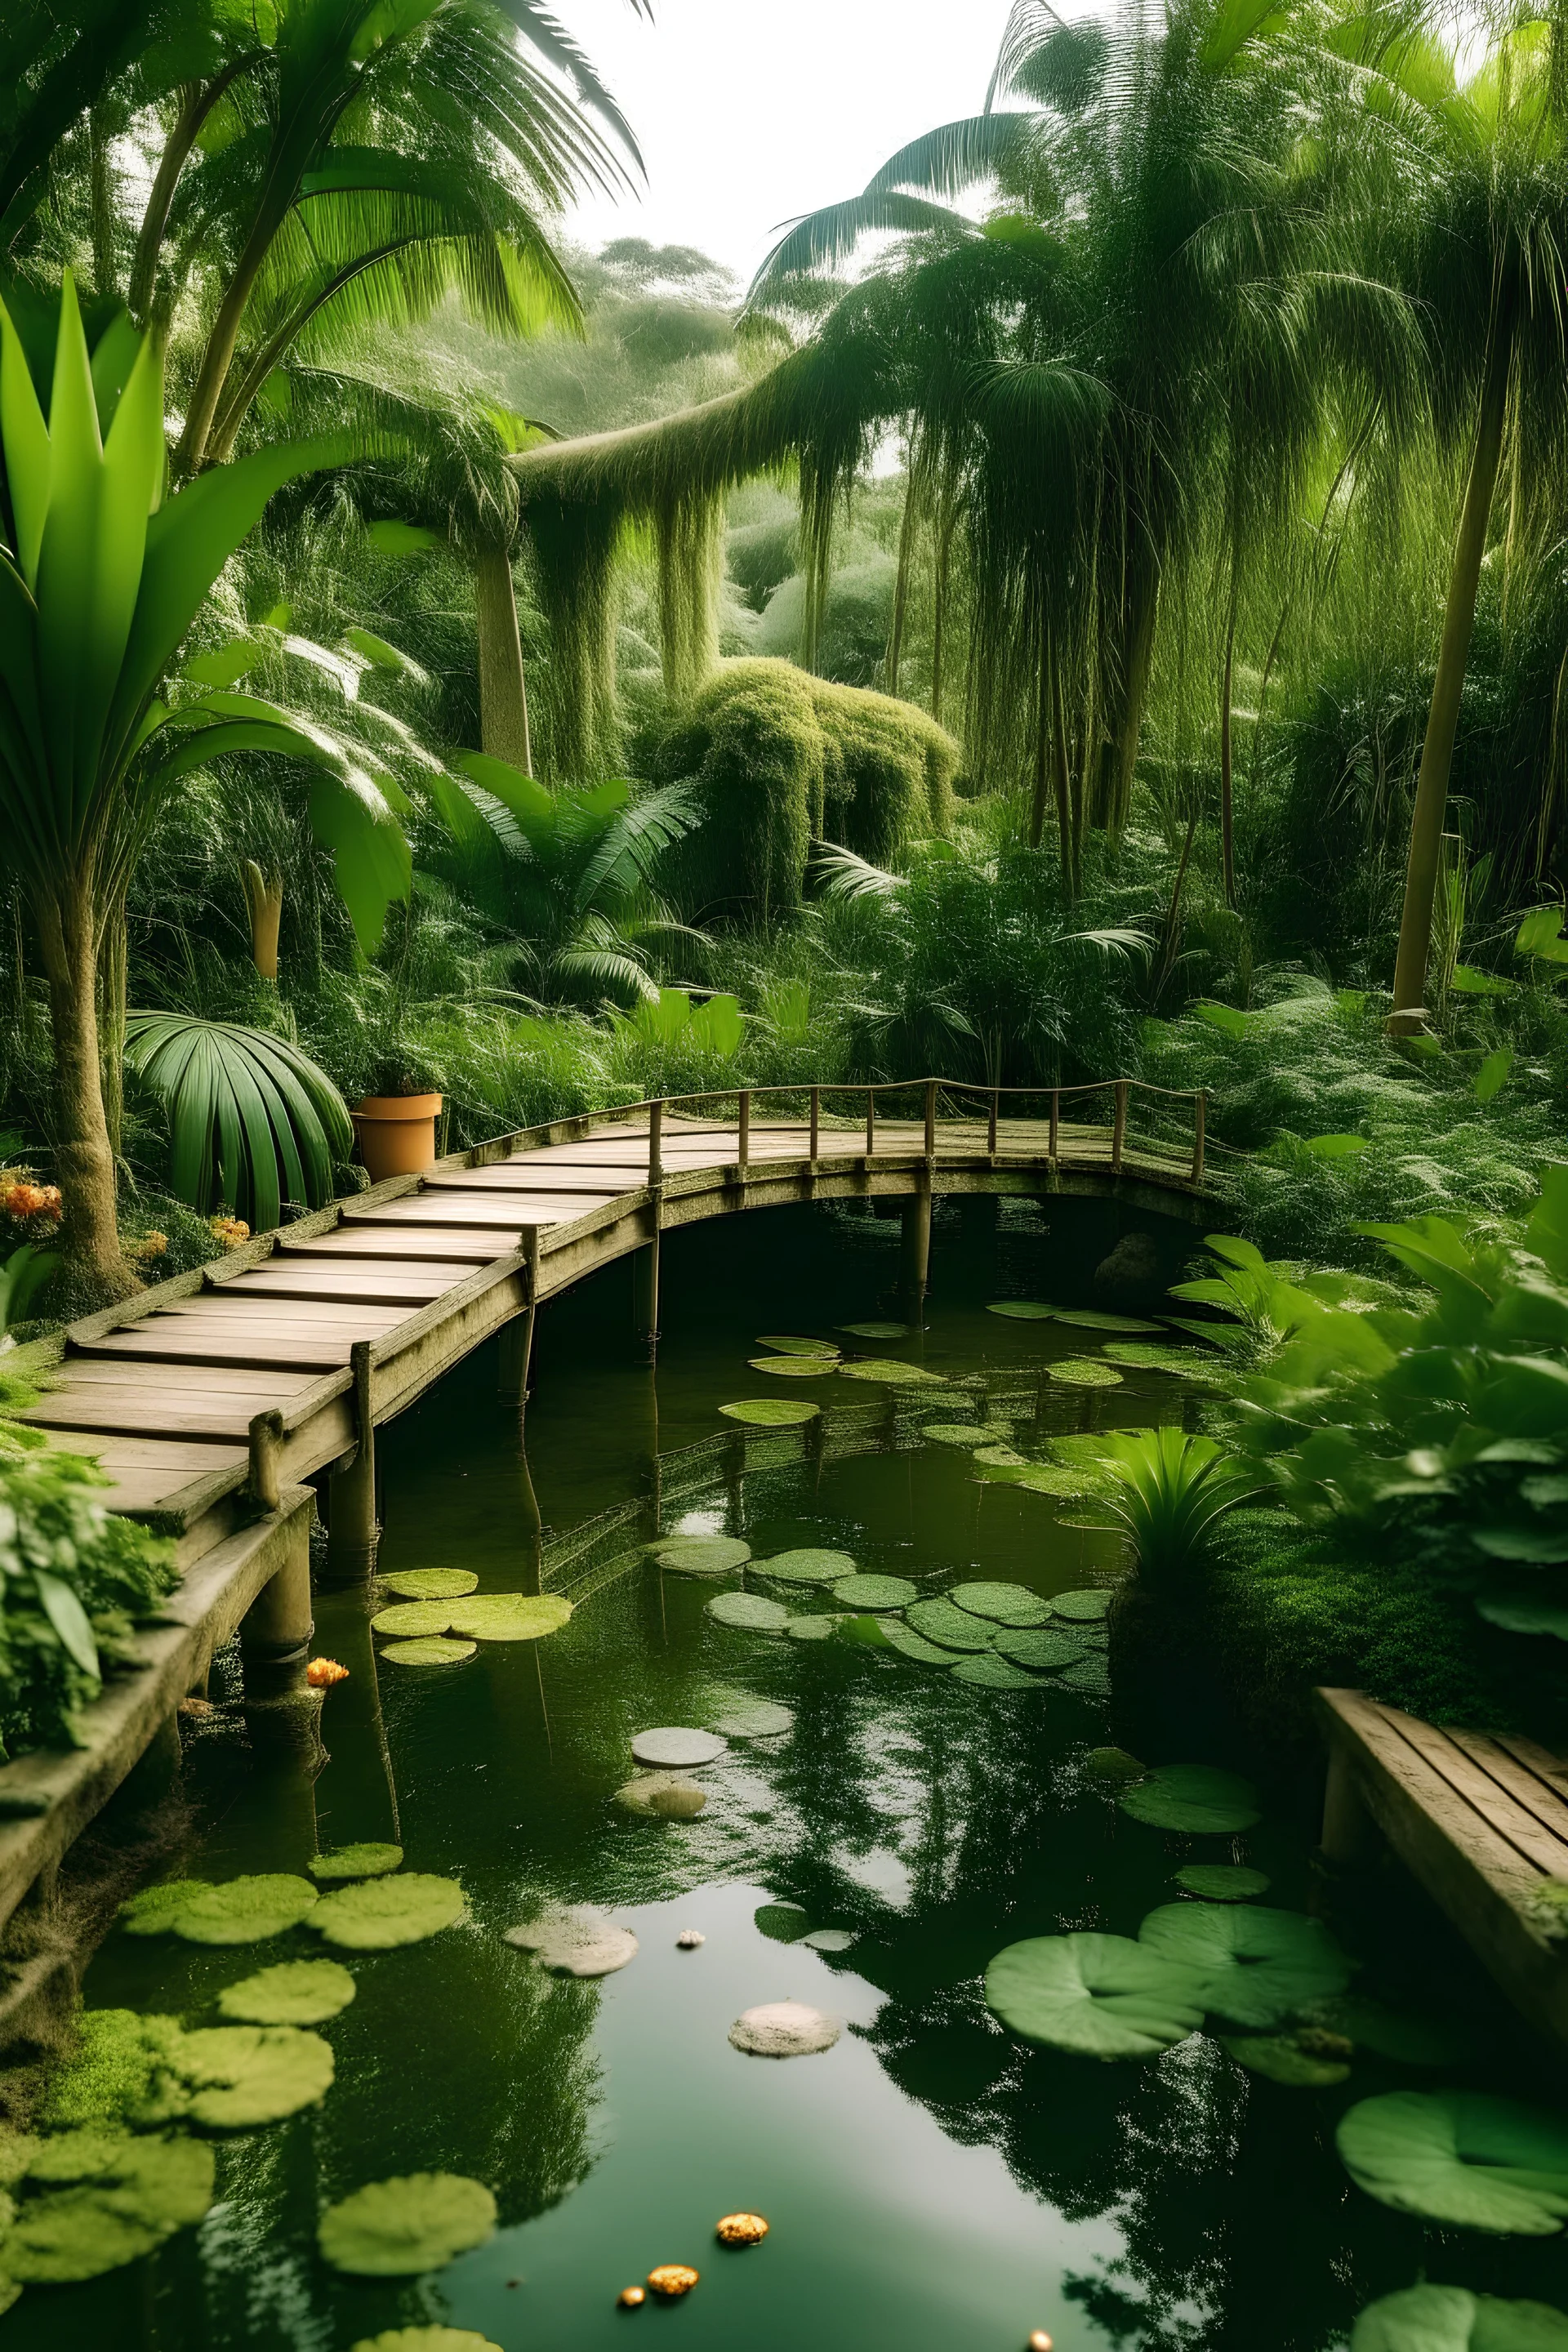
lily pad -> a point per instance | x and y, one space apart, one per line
1460 2157
963 1434
782 1923
999 1465
1002 1604
127 2197
575 1943
295 1992
877 1330
413 1621
952 1629
1089 1319
807 1567
757 1718
910 1644
772 1413
1197 1798
244 1910
1045 1478
663 1797
1113 1764
1048 1651
1084 1373
1102 1996
678 1748
1277 2056
1185 1362
891 1373
749 1611
1258 1967
875 1593
1023 1310
1091 1674
432 1583
356 1862
248 2075
793 1346
398 2228
381 1913
988 1672
1449 2319
784 2029
1394 2033
1084 1606
702 1555
1222 1882
830 1940
795 1368
435 1652
426 2339
153 1911
511 1616
813 1629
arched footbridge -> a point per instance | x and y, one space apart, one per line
212 1398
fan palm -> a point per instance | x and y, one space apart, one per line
253 1121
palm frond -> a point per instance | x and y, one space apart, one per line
253 1121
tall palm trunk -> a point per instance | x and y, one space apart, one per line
84 1161
1226 792
1442 726
1138 659
113 974
197 102
504 730
264 903
218 359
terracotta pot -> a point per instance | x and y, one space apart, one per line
396 1134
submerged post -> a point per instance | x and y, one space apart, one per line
917 1244
275 1633
1119 1131
352 1532
646 1277
1200 1124
516 1337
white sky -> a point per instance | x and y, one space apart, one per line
752 111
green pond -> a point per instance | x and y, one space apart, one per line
932 2183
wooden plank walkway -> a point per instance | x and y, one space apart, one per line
1481 1822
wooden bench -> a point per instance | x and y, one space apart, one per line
1481 1822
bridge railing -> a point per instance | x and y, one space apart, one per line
825 1111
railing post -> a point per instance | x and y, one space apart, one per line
871 1120
816 1122
655 1146
743 1155
1200 1125
995 1121
264 1481
930 1119
1055 1145
1119 1132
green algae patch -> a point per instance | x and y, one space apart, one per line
772 1413
295 1992
437 1651
432 1583
381 1913
402 2228
511 1617
248 1910
413 1621
356 1862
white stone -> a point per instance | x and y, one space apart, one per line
784 2029
575 1943
677 1749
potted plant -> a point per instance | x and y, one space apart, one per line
396 1120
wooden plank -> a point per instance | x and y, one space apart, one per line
127 1411
233 1347
181 1459
1540 1762
1410 1778
91 1371
436 1245
1483 1795
389 1284
217 1307
498 1213
1517 1780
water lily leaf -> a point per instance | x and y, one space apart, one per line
511 1616
951 1628
784 2029
295 1992
988 1672
1185 1362
380 1913
1102 1996
1448 2319
244 1910
78 2234
755 1719
413 1621
877 1330
426 2339
575 1943
397 2229
1222 1882
867 1631
1084 1373
1047 1651
1089 1319
1045 1478
677 1748
999 1465
813 1629
1023 1310
791 1347
356 1862
807 1567
1460 2157
1003 1604
663 1797
1393 2034
750 1612
795 1368
830 1940
1197 1797
432 1583
782 1923
1113 1764
1082 1608
772 1413
910 1644
129 2195
892 1374
875 1593
248 2075
153 1911
1277 2056
703 1554
433 1653
1523 1614
1091 1674
964 1434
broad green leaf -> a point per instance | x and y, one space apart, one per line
1258 1967
400 2229
1450 2319
1099 1996
1462 2158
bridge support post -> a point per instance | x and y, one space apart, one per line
645 1278
275 1635
516 1356
917 1216
354 1532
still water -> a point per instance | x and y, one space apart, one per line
931 2184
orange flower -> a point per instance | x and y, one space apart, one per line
20 1197
322 1673
150 1247
232 1232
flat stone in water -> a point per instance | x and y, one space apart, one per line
575 1943
784 2029
756 1720
662 1797
806 1567
677 1749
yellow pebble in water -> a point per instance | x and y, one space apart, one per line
741 2230
673 2279
631 2298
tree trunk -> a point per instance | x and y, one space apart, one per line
503 687
84 1162
1442 726
113 961
197 102
218 356
1069 804
1137 655
1227 797
1042 756
264 899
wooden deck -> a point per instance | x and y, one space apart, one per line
1481 1822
